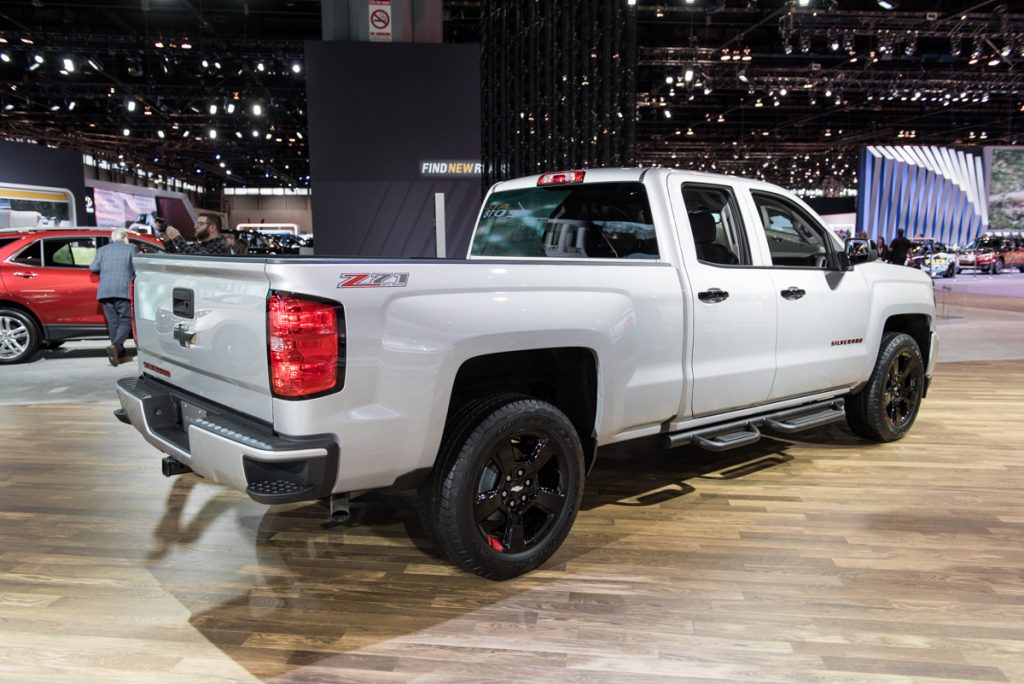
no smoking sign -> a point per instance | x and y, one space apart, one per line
380 20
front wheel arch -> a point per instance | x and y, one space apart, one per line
885 409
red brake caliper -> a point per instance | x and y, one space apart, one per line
495 544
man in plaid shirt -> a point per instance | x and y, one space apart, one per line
113 262
210 241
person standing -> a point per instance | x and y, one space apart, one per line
237 246
883 250
898 249
113 262
210 241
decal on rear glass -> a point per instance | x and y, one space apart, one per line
373 279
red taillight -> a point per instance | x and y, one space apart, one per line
561 178
303 341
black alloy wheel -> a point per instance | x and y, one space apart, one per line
521 491
886 407
902 390
507 485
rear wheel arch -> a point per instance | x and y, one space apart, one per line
565 377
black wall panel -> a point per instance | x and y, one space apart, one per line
376 111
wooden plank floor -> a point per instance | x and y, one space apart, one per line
822 560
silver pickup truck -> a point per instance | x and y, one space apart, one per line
593 307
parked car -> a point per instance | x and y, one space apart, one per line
993 253
47 293
935 258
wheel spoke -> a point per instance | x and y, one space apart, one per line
486 504
540 456
514 540
505 459
905 373
550 501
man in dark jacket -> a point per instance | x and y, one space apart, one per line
210 241
113 262
898 249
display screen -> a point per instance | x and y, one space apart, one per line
1006 189
27 207
124 210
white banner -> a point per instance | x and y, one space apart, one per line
380 21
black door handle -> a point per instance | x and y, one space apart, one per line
713 295
793 293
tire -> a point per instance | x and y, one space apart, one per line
885 409
997 267
1021 268
19 336
506 488
951 272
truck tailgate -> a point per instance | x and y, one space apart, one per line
201 323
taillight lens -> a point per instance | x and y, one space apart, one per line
304 345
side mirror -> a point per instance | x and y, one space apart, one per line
860 250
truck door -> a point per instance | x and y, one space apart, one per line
733 322
823 312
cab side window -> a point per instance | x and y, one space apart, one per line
69 252
795 240
716 225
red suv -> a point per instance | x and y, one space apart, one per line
993 252
47 293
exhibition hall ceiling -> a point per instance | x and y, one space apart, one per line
213 92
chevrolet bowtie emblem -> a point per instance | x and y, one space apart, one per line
183 336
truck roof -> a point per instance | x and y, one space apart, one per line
635 174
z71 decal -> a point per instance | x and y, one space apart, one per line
374 280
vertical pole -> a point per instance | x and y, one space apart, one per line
440 249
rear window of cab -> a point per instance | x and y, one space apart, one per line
592 221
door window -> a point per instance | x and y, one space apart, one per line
716 226
795 240
69 252
144 247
